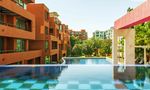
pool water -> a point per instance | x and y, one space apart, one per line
75 77
87 61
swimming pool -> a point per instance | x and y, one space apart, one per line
74 77
86 61
75 74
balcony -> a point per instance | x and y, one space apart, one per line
11 56
54 38
55 51
12 6
10 30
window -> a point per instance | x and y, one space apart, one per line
60 27
21 23
21 3
47 59
54 45
46 16
20 45
51 31
1 44
46 30
1 19
46 45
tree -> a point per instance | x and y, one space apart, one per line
88 47
77 50
106 46
129 9
96 45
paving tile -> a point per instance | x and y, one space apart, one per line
108 86
52 82
96 86
14 85
73 82
30 81
84 86
73 86
61 86
38 86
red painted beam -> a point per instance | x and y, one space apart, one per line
139 15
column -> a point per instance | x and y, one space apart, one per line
130 46
114 47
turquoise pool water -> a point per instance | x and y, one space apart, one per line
75 77
87 61
96 74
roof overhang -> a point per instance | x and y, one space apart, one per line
139 15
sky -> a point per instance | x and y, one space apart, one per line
91 15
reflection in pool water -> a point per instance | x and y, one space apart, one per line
87 61
76 77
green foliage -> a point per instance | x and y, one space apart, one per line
129 9
77 50
88 47
92 47
142 34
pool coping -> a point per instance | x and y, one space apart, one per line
107 58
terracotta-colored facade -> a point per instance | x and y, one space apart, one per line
80 34
25 34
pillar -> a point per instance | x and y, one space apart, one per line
129 47
114 47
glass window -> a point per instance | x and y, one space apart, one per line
51 31
1 44
46 30
21 23
1 19
20 45
47 59
54 45
46 16
46 45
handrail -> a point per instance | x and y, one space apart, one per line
11 51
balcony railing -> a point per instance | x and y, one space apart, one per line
12 25
11 51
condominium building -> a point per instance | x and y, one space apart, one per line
99 34
108 33
103 34
17 28
80 34
29 34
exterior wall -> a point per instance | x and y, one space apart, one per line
99 34
103 34
10 33
9 58
33 41
81 34
54 24
42 23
